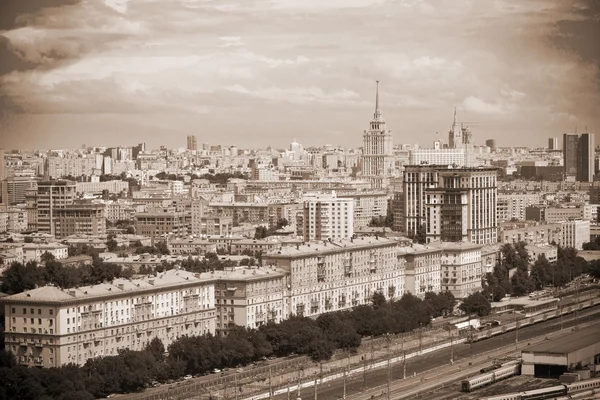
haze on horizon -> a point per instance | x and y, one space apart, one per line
255 73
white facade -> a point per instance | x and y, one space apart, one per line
98 187
516 203
328 217
422 269
339 275
575 234
50 327
34 251
461 268
367 206
461 157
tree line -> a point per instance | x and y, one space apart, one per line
512 274
130 371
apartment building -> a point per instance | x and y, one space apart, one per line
339 274
50 327
422 270
452 204
461 268
80 219
34 251
531 234
157 222
190 246
327 217
250 297
43 203
516 204
115 187
367 206
575 234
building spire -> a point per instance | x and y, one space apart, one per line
454 123
377 98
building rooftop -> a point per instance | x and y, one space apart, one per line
569 343
334 246
456 246
117 287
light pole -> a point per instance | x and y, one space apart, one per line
389 371
403 359
516 330
451 347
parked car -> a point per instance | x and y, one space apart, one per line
216 371
187 377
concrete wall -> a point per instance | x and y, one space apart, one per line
544 358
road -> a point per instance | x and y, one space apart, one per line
374 383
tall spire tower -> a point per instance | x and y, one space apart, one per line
378 150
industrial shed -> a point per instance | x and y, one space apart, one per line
553 357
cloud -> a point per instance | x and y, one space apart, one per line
476 105
312 63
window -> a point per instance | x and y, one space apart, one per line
24 311
51 312
13 310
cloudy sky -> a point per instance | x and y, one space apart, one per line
263 72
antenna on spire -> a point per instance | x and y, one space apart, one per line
454 123
377 97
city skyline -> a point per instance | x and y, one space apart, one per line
263 73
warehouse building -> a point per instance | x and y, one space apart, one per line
554 357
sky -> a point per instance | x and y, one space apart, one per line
255 73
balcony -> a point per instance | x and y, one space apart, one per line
38 343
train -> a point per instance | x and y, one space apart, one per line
577 390
487 378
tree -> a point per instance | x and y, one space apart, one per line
540 272
378 300
476 303
112 245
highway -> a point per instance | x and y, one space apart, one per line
437 364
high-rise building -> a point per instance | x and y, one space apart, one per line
578 157
192 143
451 204
553 143
491 143
2 165
378 150
328 217
43 203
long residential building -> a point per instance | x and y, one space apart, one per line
367 206
50 327
339 274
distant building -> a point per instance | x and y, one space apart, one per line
80 219
378 150
367 206
115 187
43 203
491 143
575 234
192 143
578 156
553 143
34 251
15 188
327 217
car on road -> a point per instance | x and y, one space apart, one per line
239 370
216 371
187 377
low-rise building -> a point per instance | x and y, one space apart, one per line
254 245
50 327
34 251
191 246
547 250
